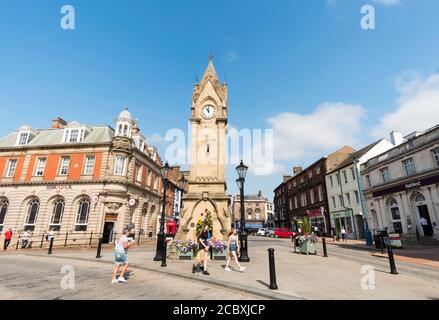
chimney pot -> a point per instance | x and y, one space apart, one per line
59 123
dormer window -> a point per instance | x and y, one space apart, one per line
23 138
73 135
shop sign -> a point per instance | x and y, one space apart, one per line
315 213
395 240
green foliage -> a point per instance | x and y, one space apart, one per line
207 215
306 226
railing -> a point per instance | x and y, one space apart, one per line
414 143
71 239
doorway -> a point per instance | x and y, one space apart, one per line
108 232
423 213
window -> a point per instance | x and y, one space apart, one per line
338 179
74 135
341 200
311 193
385 174
353 174
396 216
357 197
139 173
64 167
4 204
303 199
257 215
296 202
57 214
318 170
348 198
436 156
345 176
249 215
409 166
82 215
41 166
320 192
23 138
12 165
291 204
334 204
89 165
32 215
310 174
332 181
119 167
368 183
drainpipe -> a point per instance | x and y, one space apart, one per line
367 233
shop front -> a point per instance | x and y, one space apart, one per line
343 219
317 218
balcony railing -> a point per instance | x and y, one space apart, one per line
422 140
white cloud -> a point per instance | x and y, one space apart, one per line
388 3
417 107
156 139
329 127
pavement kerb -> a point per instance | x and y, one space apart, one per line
226 284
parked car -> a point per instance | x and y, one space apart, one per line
261 232
269 232
284 233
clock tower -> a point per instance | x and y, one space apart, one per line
207 178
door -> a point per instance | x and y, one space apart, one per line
108 232
423 213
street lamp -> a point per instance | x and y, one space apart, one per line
161 236
182 183
242 171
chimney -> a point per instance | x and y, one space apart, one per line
58 123
396 138
297 170
286 178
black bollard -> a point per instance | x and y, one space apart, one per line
325 251
164 254
382 244
98 253
273 284
391 260
50 246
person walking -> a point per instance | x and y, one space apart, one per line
233 250
8 237
120 256
343 234
25 239
204 250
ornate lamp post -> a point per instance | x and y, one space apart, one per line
242 171
182 183
161 236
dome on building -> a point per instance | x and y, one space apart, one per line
125 114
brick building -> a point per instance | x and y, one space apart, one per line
80 179
304 193
258 211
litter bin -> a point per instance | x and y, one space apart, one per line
379 238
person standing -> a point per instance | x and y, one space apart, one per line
8 237
425 226
120 256
233 250
343 234
204 250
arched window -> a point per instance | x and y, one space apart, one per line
419 199
57 214
32 214
4 204
396 216
125 130
82 215
119 131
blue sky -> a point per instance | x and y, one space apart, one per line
289 65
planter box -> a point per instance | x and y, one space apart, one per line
220 255
308 247
185 256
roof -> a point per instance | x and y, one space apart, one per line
46 137
355 155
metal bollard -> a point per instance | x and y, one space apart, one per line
325 251
273 284
164 254
382 244
391 260
98 253
50 246
42 240
65 240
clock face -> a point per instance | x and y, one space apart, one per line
208 112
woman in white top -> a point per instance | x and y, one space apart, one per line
233 249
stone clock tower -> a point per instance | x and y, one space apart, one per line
207 179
